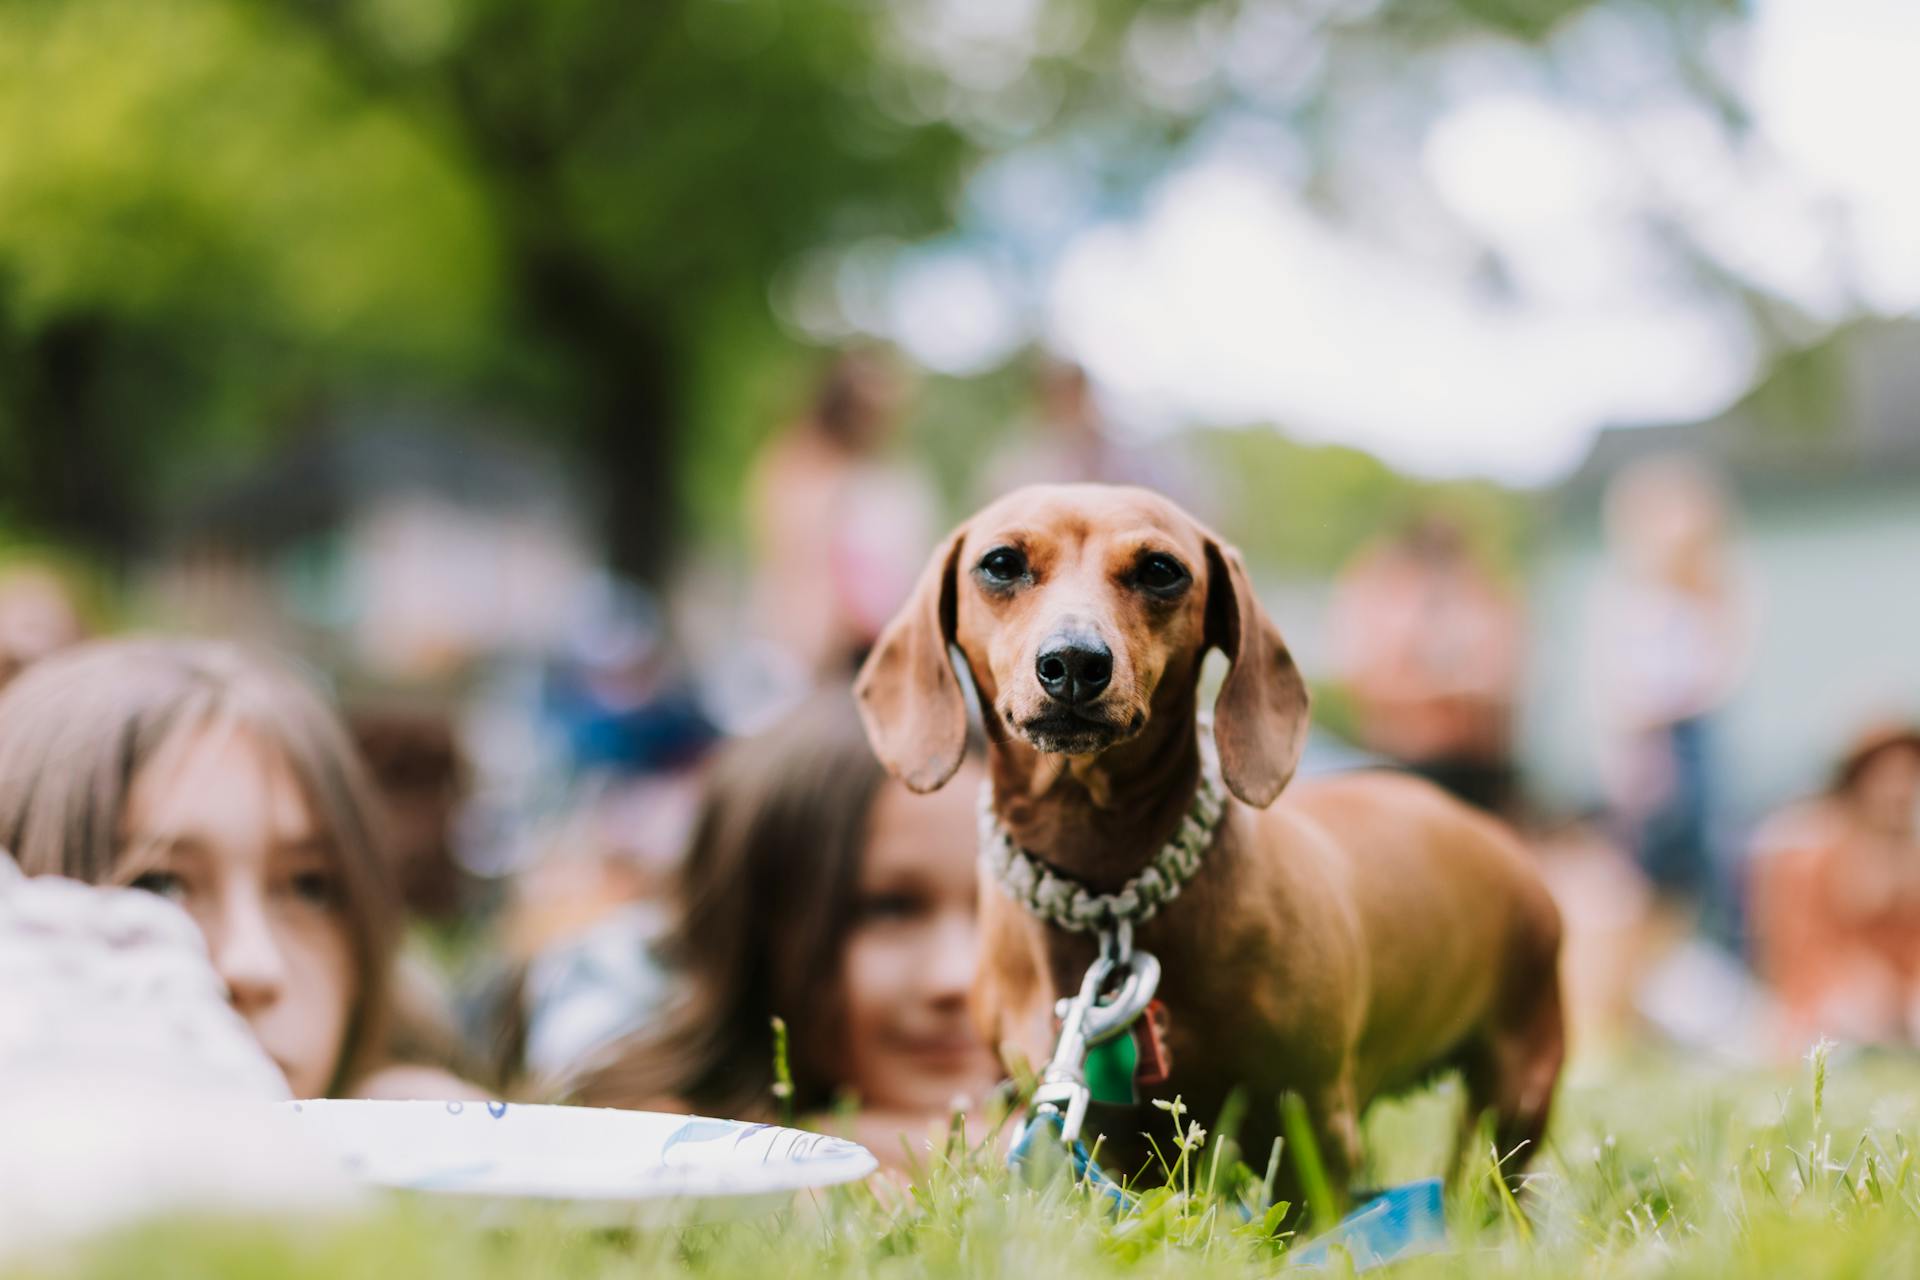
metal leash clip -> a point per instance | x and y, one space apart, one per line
1087 1020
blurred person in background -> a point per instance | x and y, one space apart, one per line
820 891
38 616
1063 442
415 762
620 691
597 852
1428 643
571 964
1836 900
1668 639
221 781
837 526
1066 441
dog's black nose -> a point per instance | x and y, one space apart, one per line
1074 669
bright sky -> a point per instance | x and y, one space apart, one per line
1226 299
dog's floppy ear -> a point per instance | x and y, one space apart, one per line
910 699
1260 717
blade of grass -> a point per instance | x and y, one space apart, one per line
1307 1162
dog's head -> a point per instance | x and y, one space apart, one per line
1082 611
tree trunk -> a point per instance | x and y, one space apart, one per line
629 398
72 476
630 442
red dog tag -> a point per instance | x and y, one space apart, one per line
1150 1037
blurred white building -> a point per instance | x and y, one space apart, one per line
1823 459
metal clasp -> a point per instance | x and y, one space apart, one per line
1087 1020
1119 1011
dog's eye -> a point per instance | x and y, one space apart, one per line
1162 575
1003 566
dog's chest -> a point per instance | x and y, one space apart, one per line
1228 1026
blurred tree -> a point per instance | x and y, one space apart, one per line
219 216
204 226
216 212
1306 509
648 169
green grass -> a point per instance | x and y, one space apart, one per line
1653 1168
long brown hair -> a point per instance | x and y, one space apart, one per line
76 728
767 896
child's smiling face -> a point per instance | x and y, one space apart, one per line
910 1043
217 820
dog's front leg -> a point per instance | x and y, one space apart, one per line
1335 1118
1012 993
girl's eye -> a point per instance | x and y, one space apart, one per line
316 887
1003 566
164 883
1162 575
889 906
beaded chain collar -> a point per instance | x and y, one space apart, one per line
1064 901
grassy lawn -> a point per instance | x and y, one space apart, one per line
1655 1167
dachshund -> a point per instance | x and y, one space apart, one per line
1343 942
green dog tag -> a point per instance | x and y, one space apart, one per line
1110 1068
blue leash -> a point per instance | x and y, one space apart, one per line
1401 1222
1048 1127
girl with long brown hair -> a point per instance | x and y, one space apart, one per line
822 892
223 781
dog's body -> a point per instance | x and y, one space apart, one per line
1352 939
1359 935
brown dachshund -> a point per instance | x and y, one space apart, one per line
1354 939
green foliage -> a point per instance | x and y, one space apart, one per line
1656 1167
1804 398
202 223
1306 1157
217 213
1308 508
194 163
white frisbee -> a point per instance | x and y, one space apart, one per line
605 1160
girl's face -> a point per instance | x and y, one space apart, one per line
909 960
1888 790
217 821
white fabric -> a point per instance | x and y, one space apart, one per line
128 1084
589 990
91 976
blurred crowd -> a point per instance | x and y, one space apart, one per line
623 871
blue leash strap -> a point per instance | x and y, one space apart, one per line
1046 1128
1401 1222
